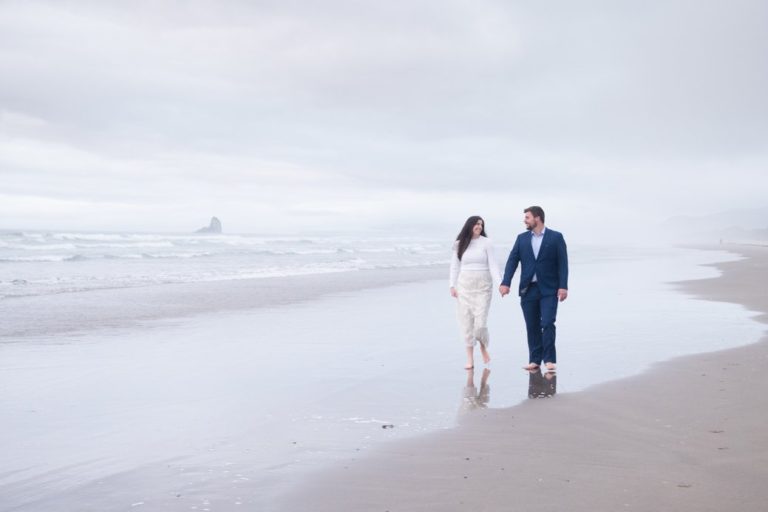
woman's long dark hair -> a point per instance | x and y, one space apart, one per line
465 235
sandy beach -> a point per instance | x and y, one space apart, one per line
688 435
230 235
345 390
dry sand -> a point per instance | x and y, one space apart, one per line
690 434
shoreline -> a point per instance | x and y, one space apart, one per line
737 284
688 434
278 394
67 313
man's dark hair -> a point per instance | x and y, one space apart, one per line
536 211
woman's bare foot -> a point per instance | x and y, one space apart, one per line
531 367
550 366
486 355
470 358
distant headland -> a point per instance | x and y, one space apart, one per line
213 227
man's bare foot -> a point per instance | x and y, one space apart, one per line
469 366
551 366
486 355
531 366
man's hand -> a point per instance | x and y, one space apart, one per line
504 290
562 294
454 294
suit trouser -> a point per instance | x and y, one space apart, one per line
540 313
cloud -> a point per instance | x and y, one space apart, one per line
298 110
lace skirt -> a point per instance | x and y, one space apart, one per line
474 290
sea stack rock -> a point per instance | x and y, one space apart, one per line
213 227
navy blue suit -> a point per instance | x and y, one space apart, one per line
539 300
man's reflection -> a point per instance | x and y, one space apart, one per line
542 385
472 398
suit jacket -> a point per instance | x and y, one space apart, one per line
551 267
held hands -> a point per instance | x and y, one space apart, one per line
453 292
562 293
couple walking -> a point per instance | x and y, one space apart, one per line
543 283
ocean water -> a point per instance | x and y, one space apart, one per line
39 263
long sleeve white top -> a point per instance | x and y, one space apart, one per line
478 257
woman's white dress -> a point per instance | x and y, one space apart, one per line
474 277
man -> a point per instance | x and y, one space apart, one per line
543 283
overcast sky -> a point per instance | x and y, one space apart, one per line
304 115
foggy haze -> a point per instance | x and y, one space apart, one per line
307 116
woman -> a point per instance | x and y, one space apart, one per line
474 274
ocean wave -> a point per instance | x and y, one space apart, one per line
34 259
58 258
18 287
67 262
180 255
137 256
310 252
39 247
298 245
129 245
104 237
383 250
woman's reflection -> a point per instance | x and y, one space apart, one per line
471 397
542 385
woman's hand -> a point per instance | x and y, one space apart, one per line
454 294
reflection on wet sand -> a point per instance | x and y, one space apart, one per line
471 397
542 385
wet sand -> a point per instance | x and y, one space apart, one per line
245 398
85 311
690 434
